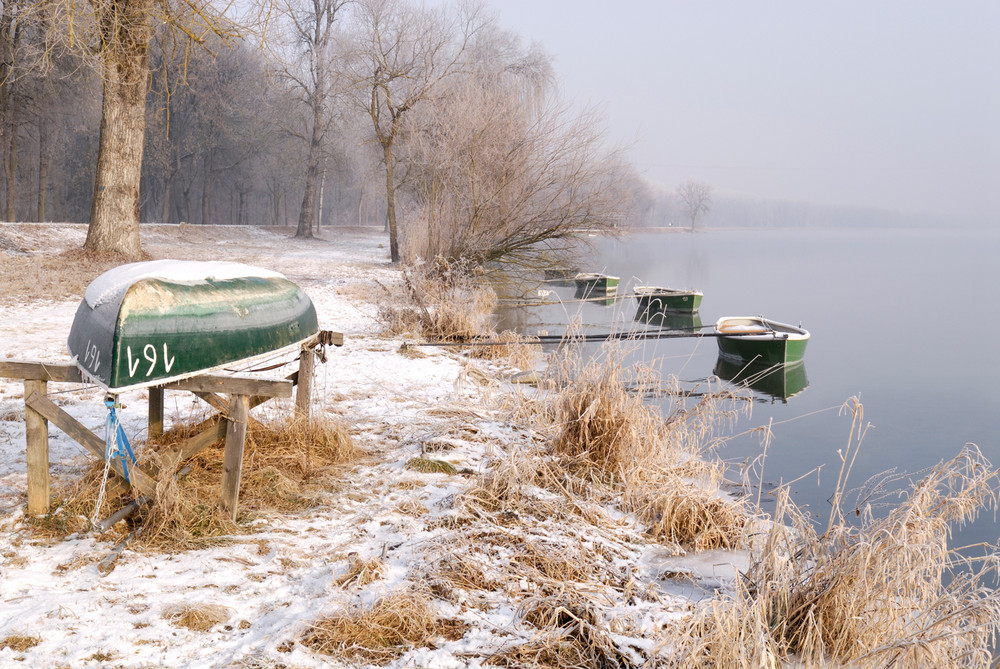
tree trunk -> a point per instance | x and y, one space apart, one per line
125 27
206 191
43 170
390 203
10 172
308 210
7 128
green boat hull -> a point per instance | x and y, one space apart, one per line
162 330
761 341
664 299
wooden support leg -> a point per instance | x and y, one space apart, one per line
303 393
155 412
37 438
232 462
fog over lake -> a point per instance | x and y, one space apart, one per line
888 104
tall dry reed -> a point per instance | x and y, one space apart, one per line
881 590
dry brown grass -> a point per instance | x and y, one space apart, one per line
361 572
512 348
573 634
283 466
602 425
680 513
450 303
377 634
884 591
20 642
197 617
47 276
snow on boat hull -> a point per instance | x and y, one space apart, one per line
167 324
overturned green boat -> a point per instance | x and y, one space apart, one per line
149 323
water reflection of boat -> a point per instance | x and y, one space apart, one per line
603 296
758 339
654 298
669 320
778 381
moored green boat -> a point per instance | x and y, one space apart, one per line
590 281
654 298
150 323
758 339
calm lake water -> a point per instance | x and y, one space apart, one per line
907 320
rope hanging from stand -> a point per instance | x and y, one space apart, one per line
116 445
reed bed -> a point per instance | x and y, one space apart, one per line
883 590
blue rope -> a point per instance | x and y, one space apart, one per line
115 442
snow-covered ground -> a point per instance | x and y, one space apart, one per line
282 577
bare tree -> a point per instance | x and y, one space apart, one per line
695 198
120 32
404 54
504 174
312 26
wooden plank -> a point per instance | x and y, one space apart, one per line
201 441
303 391
232 461
40 371
215 401
37 438
233 385
80 434
155 412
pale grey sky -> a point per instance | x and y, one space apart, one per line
891 103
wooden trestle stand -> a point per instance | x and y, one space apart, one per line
231 396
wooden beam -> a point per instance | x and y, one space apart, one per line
80 434
215 401
155 412
40 371
233 385
37 438
232 461
303 391
201 441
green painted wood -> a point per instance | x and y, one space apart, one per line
162 331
